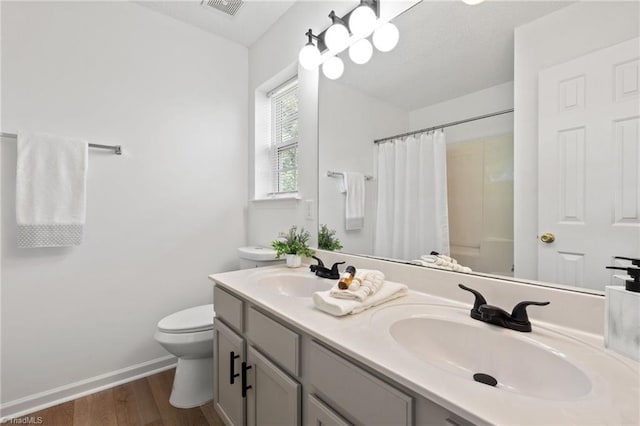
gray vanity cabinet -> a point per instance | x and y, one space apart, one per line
319 414
249 388
274 398
228 354
282 365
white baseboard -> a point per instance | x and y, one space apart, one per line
55 396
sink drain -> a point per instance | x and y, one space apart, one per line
485 378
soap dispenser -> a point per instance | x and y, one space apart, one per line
622 313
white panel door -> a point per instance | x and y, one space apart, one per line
589 156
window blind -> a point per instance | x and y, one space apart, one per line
284 138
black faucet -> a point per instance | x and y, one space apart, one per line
518 319
321 271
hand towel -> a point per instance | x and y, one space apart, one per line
340 307
370 283
50 190
353 186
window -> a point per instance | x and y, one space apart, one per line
283 147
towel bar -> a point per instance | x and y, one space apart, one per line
117 149
340 174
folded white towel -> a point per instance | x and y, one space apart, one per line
339 307
370 282
50 190
353 185
437 261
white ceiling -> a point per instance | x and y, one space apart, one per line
251 21
446 50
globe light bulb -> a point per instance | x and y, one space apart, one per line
337 37
362 21
386 37
309 56
333 68
361 51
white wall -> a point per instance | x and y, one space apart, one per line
351 121
491 99
160 218
558 37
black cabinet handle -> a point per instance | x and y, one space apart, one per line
245 388
232 366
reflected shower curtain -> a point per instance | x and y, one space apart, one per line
412 214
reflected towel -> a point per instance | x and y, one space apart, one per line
340 307
50 190
353 185
370 283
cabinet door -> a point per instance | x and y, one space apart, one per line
228 354
318 414
274 398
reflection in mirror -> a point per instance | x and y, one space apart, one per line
451 176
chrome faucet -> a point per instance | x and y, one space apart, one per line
518 319
323 272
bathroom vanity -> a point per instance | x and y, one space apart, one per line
278 360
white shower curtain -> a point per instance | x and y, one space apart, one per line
412 215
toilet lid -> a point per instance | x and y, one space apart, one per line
189 320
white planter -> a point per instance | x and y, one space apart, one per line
293 260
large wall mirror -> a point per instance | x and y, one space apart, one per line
548 194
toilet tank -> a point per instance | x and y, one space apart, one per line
255 257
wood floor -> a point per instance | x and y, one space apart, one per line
144 402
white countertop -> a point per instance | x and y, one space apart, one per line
613 399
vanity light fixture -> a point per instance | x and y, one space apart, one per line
337 36
309 56
472 2
363 21
386 37
361 51
333 68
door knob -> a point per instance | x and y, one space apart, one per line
547 238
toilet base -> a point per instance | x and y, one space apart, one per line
193 383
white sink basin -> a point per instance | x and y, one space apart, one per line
449 339
294 284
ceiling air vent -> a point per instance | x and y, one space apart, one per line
230 7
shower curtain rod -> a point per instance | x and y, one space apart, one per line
117 149
442 126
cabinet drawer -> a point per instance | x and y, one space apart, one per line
275 340
228 307
320 414
355 393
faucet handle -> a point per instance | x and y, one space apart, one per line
314 268
519 312
480 300
334 268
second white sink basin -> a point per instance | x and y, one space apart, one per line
448 339
298 283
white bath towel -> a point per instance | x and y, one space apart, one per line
50 190
339 307
438 261
370 282
353 186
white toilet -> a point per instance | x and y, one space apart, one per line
188 335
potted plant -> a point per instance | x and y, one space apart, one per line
327 239
293 245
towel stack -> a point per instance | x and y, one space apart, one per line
373 290
440 261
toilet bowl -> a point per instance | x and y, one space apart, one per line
188 334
